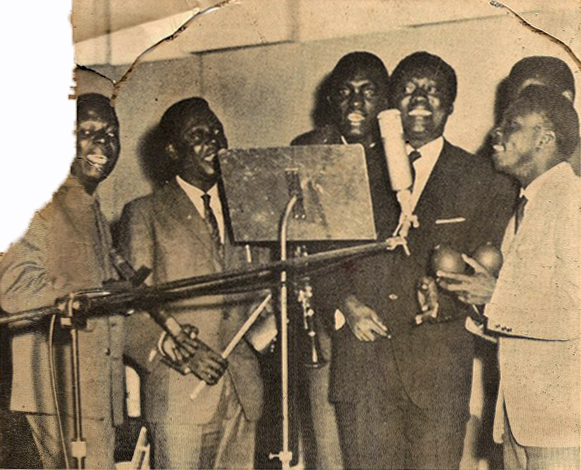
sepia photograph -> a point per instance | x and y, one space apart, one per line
293 234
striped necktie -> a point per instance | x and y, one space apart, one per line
212 223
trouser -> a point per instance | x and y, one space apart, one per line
323 412
98 434
384 429
227 441
518 457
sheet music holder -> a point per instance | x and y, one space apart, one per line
296 194
334 201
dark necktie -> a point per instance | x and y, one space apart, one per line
520 212
413 156
212 222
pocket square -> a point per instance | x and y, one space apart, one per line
455 220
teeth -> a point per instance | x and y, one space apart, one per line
498 148
420 112
355 117
97 159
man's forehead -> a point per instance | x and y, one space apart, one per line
522 112
90 114
362 74
423 73
200 118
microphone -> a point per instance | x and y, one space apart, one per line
400 172
392 137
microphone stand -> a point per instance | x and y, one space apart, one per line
285 456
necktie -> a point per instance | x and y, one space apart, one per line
520 212
413 156
212 222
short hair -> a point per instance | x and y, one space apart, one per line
95 102
173 119
424 62
556 109
355 62
553 72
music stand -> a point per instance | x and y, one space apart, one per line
326 191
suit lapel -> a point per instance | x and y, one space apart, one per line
434 201
175 204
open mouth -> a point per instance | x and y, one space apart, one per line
97 161
423 112
212 154
355 117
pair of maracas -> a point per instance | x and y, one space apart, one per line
447 259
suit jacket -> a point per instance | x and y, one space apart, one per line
165 232
536 307
64 250
434 361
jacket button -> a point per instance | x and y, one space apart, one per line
107 352
393 297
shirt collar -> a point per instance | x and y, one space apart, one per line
533 188
194 192
430 151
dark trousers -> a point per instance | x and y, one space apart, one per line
384 429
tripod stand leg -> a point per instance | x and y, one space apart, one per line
78 444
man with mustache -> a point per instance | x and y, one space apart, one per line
354 93
401 390
534 305
179 231
67 249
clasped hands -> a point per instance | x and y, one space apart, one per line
188 354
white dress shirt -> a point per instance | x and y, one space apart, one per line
195 195
423 166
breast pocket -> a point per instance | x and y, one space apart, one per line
450 230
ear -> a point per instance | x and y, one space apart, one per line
451 109
171 151
548 137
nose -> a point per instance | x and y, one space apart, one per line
356 100
419 94
496 134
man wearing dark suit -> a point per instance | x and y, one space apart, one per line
401 391
178 231
354 93
535 304
66 249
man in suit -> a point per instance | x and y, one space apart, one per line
66 249
535 303
401 391
179 231
354 93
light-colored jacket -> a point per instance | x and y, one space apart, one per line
536 308
164 232
65 249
